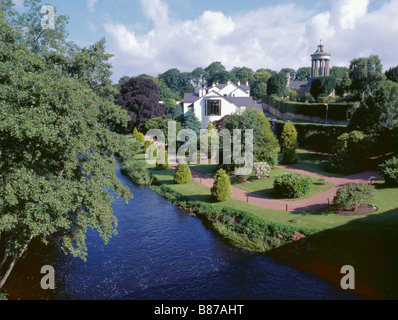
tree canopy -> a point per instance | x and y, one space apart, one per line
322 86
140 97
57 155
366 75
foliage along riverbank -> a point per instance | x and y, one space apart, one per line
237 227
326 241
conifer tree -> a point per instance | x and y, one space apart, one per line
288 142
160 164
183 174
221 190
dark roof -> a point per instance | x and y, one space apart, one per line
243 102
191 97
297 84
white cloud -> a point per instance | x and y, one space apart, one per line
91 5
272 37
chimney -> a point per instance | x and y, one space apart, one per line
238 83
247 83
200 92
229 81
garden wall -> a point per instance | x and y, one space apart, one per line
338 113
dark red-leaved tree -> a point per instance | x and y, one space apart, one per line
140 97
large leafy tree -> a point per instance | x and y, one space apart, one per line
379 112
199 77
366 75
322 86
338 72
218 73
172 79
39 39
259 83
291 71
244 74
140 97
392 74
265 146
277 85
57 160
303 74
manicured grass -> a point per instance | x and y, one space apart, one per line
368 242
312 162
262 187
317 219
266 187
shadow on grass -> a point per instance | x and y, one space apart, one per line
368 244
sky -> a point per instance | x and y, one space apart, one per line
153 36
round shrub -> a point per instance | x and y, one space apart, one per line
350 196
221 190
292 185
389 171
182 174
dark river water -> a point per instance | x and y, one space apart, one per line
161 252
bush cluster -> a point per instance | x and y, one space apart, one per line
350 196
349 152
389 171
183 174
137 171
292 185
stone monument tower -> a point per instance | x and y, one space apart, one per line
320 63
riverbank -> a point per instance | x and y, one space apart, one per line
323 243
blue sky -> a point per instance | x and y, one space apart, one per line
152 36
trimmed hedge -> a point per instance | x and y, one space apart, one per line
316 136
336 111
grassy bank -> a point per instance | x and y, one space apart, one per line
368 243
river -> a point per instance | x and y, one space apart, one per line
161 252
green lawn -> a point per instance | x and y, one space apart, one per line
367 242
261 187
312 162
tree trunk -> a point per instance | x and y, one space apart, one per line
15 259
4 260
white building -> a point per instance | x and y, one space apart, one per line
219 100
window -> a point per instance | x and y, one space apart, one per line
213 107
